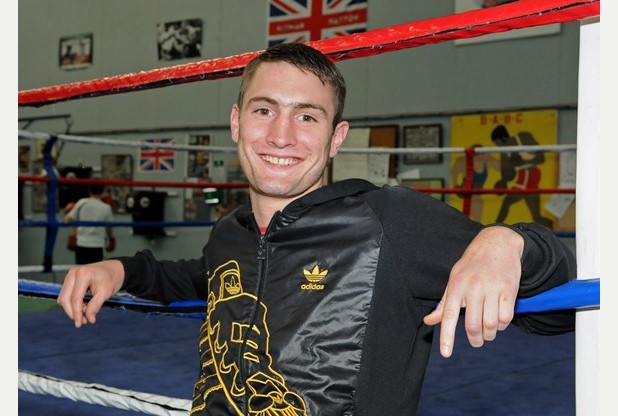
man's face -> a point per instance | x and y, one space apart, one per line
284 130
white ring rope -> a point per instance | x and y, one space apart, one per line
93 393
24 134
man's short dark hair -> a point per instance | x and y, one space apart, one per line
306 59
96 189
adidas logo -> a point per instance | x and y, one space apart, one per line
314 277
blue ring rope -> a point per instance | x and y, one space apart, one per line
577 294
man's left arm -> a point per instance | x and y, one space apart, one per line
501 264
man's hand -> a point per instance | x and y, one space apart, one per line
102 280
485 281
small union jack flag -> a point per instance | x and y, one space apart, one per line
292 21
156 159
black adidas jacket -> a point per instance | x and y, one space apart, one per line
323 314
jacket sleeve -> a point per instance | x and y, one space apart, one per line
546 262
164 280
430 236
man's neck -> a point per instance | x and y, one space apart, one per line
264 208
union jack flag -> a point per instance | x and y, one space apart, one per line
154 159
301 21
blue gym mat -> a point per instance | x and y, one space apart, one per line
516 375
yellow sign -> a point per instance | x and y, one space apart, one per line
512 170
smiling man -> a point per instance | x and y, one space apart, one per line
285 126
321 300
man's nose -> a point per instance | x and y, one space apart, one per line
282 132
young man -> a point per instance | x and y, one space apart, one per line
321 299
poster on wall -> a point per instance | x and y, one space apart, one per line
512 170
198 160
179 39
352 165
75 51
119 167
292 21
372 166
156 159
422 136
466 5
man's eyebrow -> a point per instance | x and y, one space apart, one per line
260 98
312 106
295 105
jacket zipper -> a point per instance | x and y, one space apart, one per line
261 257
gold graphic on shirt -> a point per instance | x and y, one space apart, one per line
264 388
314 276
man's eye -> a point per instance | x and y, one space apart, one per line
307 118
262 111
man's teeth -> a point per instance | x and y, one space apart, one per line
279 161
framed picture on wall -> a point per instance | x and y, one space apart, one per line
118 167
198 160
422 136
75 52
426 183
179 39
374 167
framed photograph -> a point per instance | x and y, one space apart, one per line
198 160
420 136
118 167
431 183
75 51
180 39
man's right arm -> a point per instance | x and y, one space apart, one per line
102 279
164 280
141 275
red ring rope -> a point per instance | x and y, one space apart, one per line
123 182
510 16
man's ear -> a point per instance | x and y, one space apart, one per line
339 135
234 122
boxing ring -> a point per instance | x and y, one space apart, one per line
582 294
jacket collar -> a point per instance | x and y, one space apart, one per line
294 210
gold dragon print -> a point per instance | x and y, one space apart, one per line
265 388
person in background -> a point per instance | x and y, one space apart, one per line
91 241
321 299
